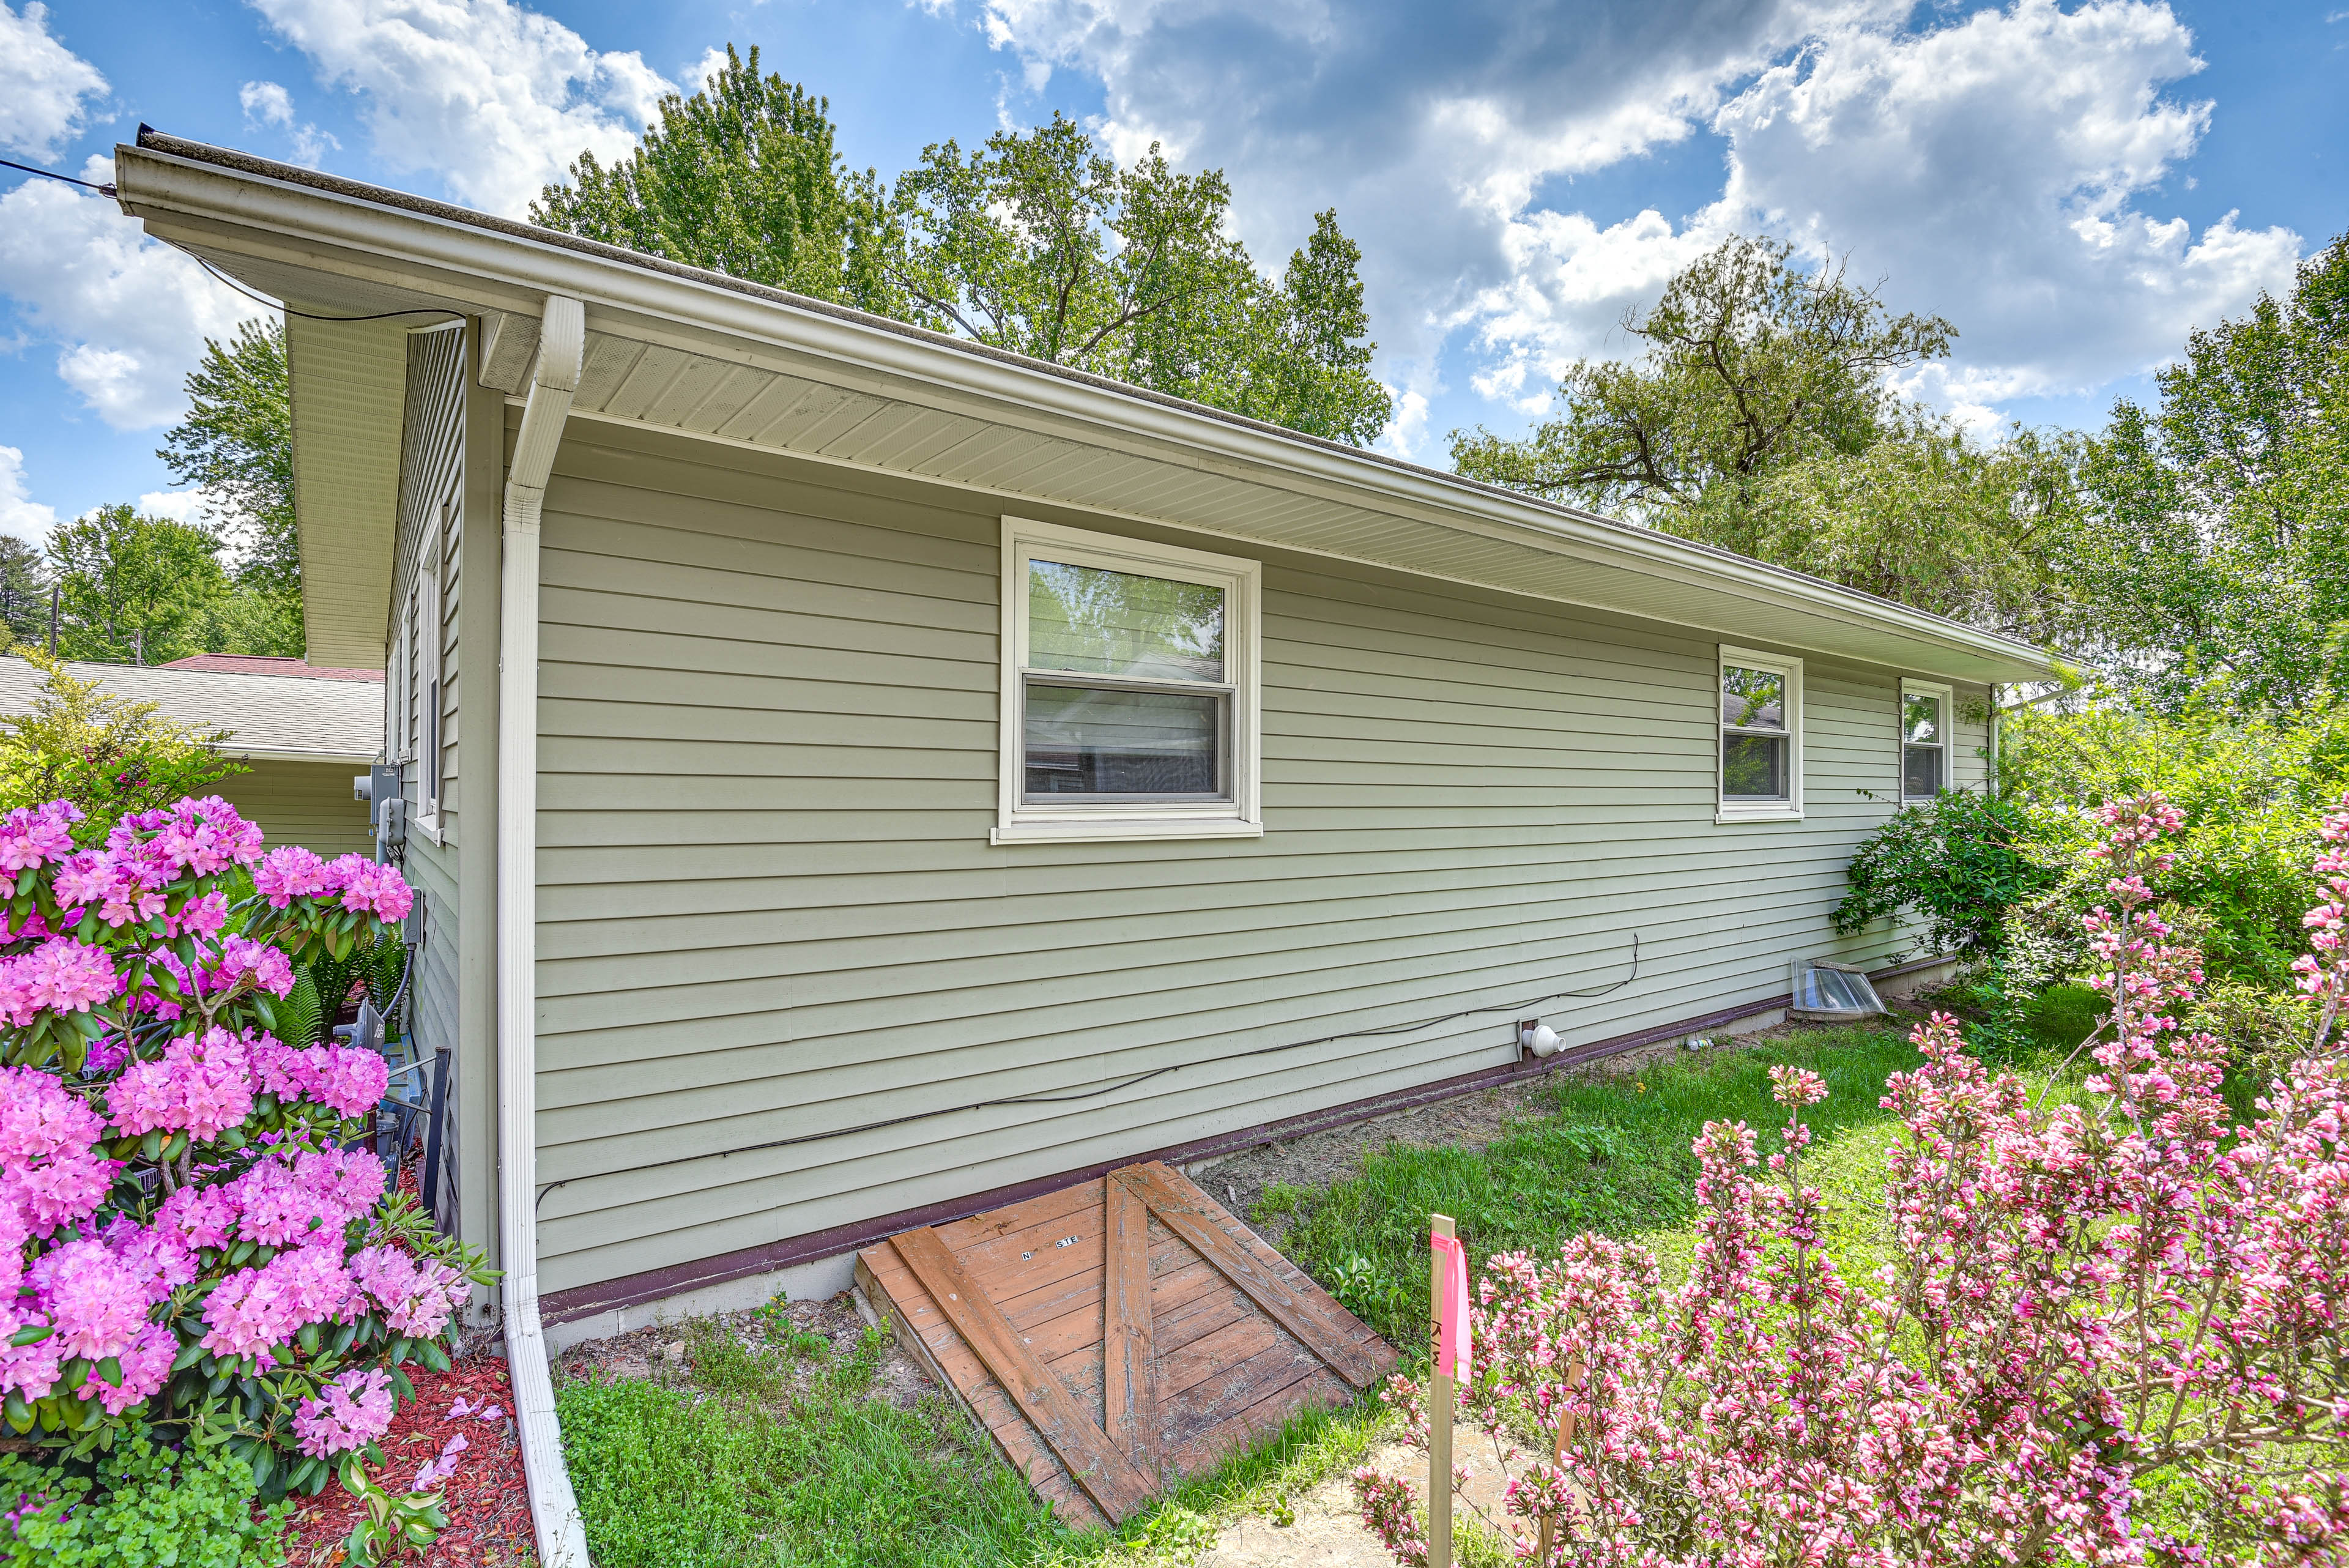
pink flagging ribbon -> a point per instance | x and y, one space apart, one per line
1452 1320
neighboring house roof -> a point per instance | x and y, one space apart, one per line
296 717
269 664
677 348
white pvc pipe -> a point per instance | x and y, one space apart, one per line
553 1507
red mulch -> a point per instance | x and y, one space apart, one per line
486 1500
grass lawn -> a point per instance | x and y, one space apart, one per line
768 1450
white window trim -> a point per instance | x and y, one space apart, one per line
424 673
1901 736
1791 808
1242 816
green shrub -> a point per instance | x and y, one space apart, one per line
143 1506
108 754
2252 789
1956 866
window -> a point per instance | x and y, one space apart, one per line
1924 740
423 681
1760 735
1129 704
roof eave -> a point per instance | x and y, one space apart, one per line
407 252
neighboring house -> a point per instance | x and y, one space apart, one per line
856 775
303 734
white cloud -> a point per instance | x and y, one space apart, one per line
42 83
269 104
179 505
494 98
20 514
2001 168
1994 173
129 315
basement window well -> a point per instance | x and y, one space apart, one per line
1826 992
1130 688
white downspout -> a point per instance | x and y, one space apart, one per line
554 1507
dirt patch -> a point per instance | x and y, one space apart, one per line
663 1352
1327 1529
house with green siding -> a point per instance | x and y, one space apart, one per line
855 776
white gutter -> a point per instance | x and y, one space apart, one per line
554 1507
486 262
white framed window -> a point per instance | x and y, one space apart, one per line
423 670
1924 740
1760 758
1130 699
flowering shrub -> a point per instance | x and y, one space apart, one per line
188 1243
2088 1307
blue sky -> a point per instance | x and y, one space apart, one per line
2074 185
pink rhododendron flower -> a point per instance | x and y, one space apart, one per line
242 958
256 1310
61 975
49 1176
306 1198
95 1300
207 836
349 1413
377 888
349 1078
289 872
199 1216
30 1369
146 1366
158 1256
33 835
203 1087
200 917
416 1297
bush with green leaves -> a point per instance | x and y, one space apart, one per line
2252 789
109 754
1953 867
143 1505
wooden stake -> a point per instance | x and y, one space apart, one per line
1558 1455
1439 1409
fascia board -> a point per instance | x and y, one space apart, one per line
421 252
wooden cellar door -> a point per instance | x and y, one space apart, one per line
1119 1335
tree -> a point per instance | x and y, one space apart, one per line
135 589
24 590
236 444
1762 417
742 178
2216 535
1034 242
108 753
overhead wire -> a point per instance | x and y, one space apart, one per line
1128 1081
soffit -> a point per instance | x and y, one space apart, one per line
352 385
723 360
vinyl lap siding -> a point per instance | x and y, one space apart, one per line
309 803
430 539
767 906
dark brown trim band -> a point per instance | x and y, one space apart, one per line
658 1284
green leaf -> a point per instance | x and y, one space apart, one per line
31 1333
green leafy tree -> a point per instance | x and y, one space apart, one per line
742 178
108 753
24 590
135 589
1035 241
236 444
1762 417
2215 536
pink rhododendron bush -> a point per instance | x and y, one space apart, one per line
2111 1332
194 1240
